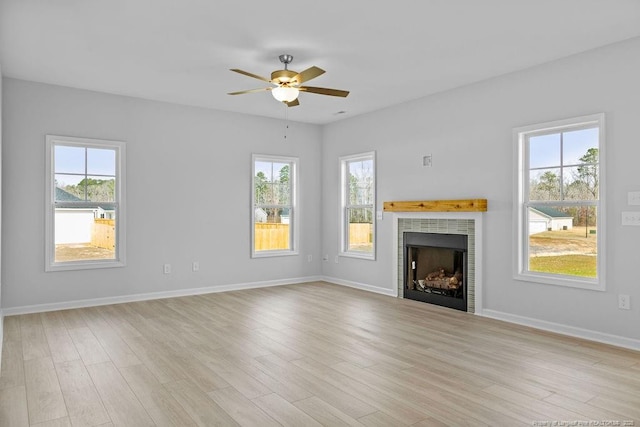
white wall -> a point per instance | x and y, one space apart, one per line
1 313
188 190
468 132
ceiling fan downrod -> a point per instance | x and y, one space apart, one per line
286 59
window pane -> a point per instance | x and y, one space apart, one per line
576 146
563 240
272 229
265 169
544 151
272 184
361 182
70 188
544 184
581 183
101 161
100 189
69 159
84 234
283 193
360 236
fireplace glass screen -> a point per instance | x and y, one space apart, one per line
436 268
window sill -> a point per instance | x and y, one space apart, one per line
84 265
567 282
358 255
269 254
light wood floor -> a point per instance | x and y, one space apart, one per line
303 355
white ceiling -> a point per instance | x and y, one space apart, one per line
384 52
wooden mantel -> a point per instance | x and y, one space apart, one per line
466 205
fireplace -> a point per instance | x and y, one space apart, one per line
435 269
463 217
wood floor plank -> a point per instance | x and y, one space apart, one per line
88 346
44 397
13 407
380 419
115 347
11 329
60 422
12 373
163 408
324 413
61 345
204 411
241 409
81 397
284 412
120 402
350 404
34 341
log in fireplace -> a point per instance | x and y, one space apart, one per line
435 268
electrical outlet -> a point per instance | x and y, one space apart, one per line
167 269
633 198
427 160
631 218
624 302
195 266
325 257
309 258
379 215
336 259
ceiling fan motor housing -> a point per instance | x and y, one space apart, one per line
282 76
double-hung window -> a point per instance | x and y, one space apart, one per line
273 202
358 183
84 203
559 207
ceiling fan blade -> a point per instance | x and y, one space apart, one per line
308 74
255 76
262 89
293 103
324 91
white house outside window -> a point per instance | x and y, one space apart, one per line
85 211
358 205
559 208
274 210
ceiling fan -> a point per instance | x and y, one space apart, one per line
287 83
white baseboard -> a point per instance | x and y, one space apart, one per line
363 286
559 328
40 308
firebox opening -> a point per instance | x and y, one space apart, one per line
436 269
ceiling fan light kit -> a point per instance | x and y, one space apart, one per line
288 83
285 93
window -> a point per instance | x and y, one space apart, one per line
559 209
273 213
85 211
358 205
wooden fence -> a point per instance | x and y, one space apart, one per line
360 233
103 233
270 236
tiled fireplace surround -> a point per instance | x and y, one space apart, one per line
466 223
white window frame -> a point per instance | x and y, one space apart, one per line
50 204
345 206
293 207
521 200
